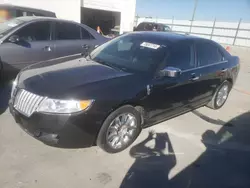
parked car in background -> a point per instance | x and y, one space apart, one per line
28 40
114 32
126 84
151 26
11 11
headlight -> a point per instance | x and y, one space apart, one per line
63 106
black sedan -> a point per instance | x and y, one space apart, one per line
124 85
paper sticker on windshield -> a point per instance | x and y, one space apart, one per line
150 45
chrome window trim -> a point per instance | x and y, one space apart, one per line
196 68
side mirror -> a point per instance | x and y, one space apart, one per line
170 72
14 39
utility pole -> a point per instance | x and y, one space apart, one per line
194 11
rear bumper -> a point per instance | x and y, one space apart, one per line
64 131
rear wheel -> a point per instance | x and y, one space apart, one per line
221 95
120 129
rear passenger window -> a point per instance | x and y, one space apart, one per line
208 54
67 31
181 57
85 34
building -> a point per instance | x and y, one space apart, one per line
104 13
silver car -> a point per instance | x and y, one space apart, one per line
28 40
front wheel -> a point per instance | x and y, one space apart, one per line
220 96
120 129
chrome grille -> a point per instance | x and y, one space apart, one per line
26 103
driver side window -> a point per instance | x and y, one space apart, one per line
39 31
182 57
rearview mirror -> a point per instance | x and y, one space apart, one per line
170 72
14 39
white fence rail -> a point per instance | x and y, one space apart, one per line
232 33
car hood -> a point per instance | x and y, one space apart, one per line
53 78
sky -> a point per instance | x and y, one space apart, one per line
223 10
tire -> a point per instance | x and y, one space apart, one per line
120 130
214 104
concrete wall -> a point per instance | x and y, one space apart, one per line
64 9
126 7
224 32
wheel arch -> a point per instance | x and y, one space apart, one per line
230 80
137 106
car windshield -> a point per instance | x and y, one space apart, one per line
131 52
7 26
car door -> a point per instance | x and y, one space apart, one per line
89 42
71 39
210 72
34 45
170 96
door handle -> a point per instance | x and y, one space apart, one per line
223 70
47 48
85 46
194 78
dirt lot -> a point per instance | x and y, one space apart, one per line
204 148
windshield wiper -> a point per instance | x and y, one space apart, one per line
88 57
107 64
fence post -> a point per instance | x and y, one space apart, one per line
190 29
237 31
136 20
212 33
172 23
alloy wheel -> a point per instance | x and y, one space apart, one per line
121 130
222 95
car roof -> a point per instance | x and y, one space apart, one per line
166 36
154 23
41 18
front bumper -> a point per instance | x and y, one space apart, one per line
65 131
